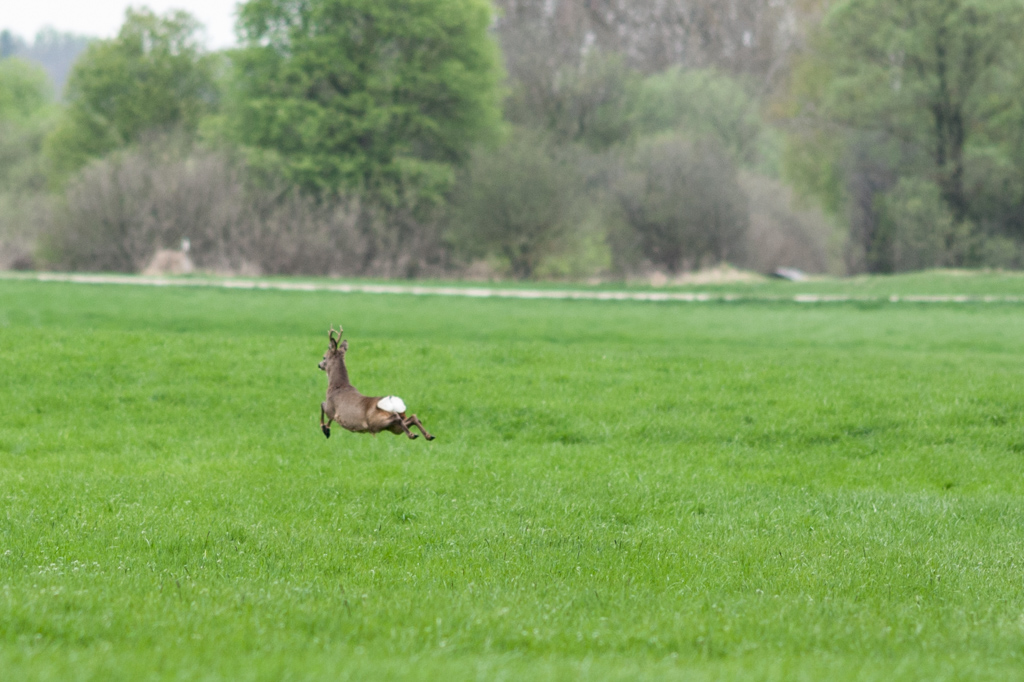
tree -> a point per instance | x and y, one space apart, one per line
378 96
153 76
9 44
753 38
923 90
589 102
24 89
924 72
705 103
26 115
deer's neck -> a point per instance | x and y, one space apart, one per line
337 375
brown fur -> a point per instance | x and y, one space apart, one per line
350 408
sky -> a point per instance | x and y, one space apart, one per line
103 18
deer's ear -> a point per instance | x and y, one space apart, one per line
344 346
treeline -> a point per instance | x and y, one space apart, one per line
553 139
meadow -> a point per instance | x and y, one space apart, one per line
618 490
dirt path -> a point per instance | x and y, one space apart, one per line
491 292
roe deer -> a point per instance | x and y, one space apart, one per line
353 410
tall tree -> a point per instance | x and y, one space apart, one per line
754 38
24 89
380 96
925 73
153 76
26 114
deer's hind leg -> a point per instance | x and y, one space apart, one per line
415 421
398 425
326 428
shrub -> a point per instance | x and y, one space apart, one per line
783 234
119 211
918 230
682 201
520 202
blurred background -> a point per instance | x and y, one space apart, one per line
586 140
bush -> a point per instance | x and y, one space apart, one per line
26 116
120 210
783 234
24 90
918 230
520 202
682 202
20 217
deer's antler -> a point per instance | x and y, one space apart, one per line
331 333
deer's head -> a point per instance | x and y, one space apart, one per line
335 355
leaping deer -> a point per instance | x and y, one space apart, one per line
353 410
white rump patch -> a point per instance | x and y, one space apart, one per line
391 403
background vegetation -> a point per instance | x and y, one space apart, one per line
840 136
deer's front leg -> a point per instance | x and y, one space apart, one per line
414 420
326 428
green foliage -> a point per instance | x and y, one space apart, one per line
683 203
902 66
519 201
378 96
812 161
589 102
24 90
601 102
618 491
933 81
918 230
814 149
702 103
153 77
54 50
26 115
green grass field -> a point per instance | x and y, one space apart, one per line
618 491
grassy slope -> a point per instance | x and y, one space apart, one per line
618 491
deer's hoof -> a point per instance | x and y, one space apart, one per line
326 430
413 436
429 437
